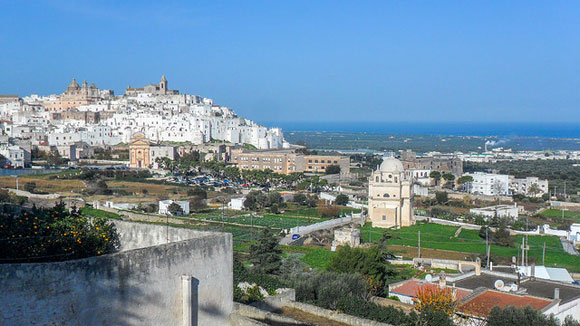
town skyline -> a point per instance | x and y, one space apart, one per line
380 62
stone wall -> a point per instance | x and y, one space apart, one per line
149 282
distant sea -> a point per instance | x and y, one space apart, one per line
503 129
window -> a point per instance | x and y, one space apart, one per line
384 217
386 195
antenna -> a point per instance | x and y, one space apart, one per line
498 284
429 278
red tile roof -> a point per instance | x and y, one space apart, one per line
482 304
410 288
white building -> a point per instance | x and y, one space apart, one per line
390 195
164 206
500 211
488 184
522 186
14 154
237 203
421 176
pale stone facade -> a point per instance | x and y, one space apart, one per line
391 195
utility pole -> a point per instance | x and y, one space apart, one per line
544 254
487 246
523 251
419 245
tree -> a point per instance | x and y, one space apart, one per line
441 197
197 192
197 203
30 187
265 255
435 298
370 263
341 200
534 190
448 177
144 191
465 179
299 198
502 237
435 175
333 169
175 209
510 316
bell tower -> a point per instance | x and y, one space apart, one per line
163 85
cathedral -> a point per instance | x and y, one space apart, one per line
159 89
74 96
391 195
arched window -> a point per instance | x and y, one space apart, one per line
386 195
377 179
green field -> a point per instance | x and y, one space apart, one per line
557 213
441 237
89 211
268 220
301 211
313 257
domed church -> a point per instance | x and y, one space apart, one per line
391 195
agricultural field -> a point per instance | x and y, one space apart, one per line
266 220
557 214
442 237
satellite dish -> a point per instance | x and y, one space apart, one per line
514 287
498 284
429 278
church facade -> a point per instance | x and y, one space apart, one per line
144 155
391 195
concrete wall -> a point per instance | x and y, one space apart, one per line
141 285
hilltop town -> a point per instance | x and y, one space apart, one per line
85 117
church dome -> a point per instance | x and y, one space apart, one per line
391 164
73 84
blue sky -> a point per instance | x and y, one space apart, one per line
310 60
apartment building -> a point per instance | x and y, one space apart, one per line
287 161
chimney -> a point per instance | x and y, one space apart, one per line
556 293
491 266
442 280
477 266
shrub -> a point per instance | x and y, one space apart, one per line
326 289
370 310
329 211
333 169
341 199
510 316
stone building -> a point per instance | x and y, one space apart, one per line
143 154
443 164
159 89
74 96
391 195
287 161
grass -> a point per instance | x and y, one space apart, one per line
89 211
435 236
280 221
314 257
557 214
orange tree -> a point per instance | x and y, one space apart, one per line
434 298
55 234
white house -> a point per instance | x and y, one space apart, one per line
164 206
522 186
237 203
500 211
489 184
